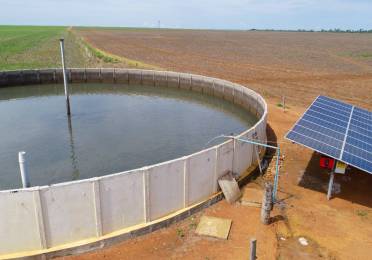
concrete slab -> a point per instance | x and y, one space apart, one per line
230 188
214 227
252 197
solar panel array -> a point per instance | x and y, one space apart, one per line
336 129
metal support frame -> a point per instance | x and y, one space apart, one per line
330 185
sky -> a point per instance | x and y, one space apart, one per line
195 14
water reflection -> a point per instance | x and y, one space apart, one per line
73 156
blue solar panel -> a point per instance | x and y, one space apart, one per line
336 129
314 144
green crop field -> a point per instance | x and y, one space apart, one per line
31 47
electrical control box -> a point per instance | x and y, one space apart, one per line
327 162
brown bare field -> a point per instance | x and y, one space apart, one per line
299 66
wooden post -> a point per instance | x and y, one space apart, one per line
253 249
267 204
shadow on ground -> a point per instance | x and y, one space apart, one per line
354 186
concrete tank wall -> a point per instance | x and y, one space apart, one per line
43 219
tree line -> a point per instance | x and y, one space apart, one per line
336 30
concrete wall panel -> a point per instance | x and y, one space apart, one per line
59 76
78 76
166 186
135 77
239 97
14 78
197 84
47 76
208 86
251 104
228 92
122 200
19 229
218 88
3 79
173 79
161 79
107 75
201 175
93 75
185 81
121 76
69 212
31 77
148 78
242 155
225 156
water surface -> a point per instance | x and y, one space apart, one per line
113 128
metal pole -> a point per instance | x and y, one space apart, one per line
67 95
276 178
330 185
283 103
23 168
258 158
253 249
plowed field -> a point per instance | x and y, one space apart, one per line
299 65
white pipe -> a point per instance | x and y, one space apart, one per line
67 95
23 168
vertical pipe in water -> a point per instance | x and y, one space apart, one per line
67 95
73 156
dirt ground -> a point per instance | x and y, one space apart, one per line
299 66
180 241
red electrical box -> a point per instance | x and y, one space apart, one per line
327 162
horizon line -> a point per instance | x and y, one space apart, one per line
201 29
